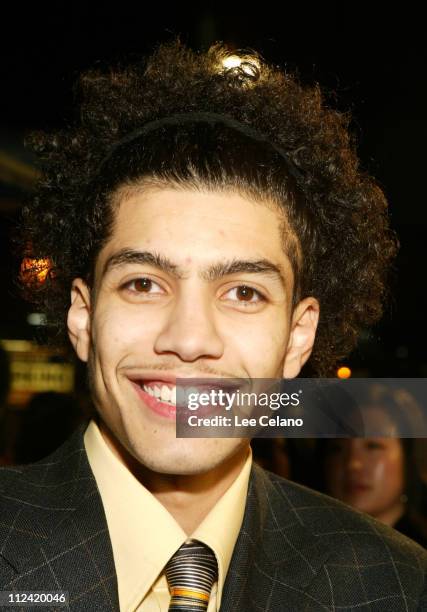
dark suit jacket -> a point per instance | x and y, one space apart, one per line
297 549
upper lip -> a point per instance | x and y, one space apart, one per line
169 378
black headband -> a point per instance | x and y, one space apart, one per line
209 118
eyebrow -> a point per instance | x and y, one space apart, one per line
127 256
212 273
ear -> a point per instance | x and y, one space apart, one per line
78 320
301 340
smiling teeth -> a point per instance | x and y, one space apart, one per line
163 393
166 393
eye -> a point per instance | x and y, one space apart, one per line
245 295
374 445
335 447
141 286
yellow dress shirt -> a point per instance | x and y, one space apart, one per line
144 536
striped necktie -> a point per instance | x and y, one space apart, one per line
191 573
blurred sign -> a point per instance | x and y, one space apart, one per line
35 369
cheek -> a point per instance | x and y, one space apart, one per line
387 473
387 479
118 332
261 344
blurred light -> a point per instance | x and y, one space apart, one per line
232 61
35 270
36 318
248 64
343 372
17 346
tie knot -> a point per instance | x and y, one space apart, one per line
191 573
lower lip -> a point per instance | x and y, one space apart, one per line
353 489
165 410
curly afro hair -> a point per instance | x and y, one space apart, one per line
340 242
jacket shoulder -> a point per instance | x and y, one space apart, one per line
350 534
55 481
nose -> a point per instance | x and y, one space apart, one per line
190 331
353 459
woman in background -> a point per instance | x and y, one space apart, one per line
378 475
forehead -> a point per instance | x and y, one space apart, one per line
222 219
194 228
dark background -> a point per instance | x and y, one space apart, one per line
373 65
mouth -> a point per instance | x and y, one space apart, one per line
357 487
158 396
165 394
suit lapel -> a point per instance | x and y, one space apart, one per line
64 538
275 552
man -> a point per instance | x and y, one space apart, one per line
209 218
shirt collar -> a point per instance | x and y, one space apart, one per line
144 535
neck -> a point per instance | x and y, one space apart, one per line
188 498
391 515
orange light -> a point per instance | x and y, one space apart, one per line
35 270
343 372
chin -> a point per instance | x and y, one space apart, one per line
185 456
176 463
176 468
